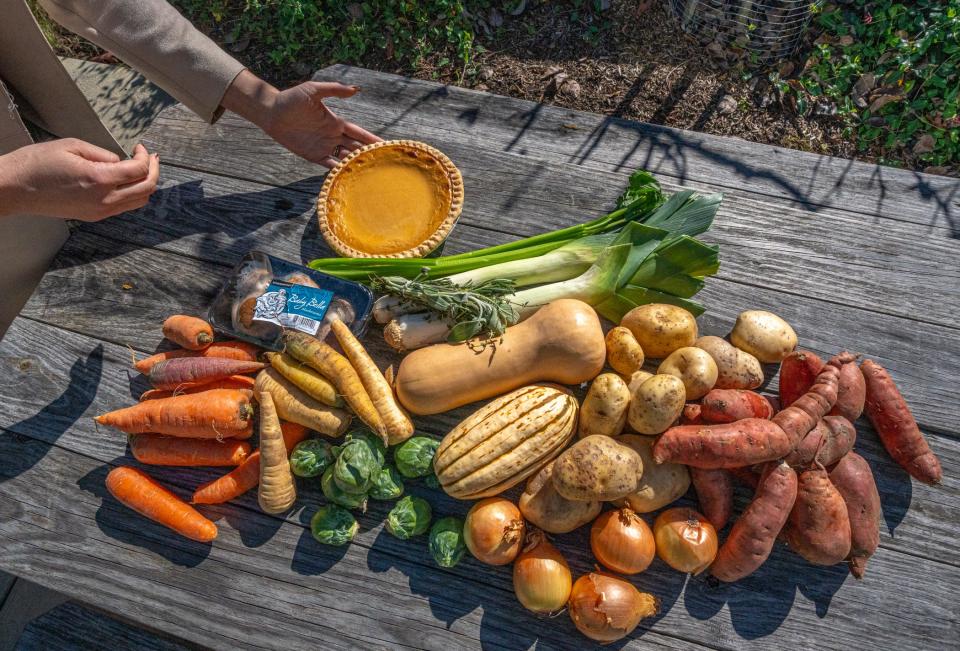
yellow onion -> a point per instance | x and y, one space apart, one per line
606 608
541 576
493 531
622 541
685 540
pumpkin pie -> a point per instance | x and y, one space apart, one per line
392 199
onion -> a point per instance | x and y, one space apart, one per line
493 531
541 576
686 541
606 608
622 541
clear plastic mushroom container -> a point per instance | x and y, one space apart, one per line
265 295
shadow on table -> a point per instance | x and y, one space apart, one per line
228 225
57 417
687 156
116 520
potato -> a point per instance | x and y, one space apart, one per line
542 505
656 404
636 378
604 410
764 335
695 367
661 483
736 369
660 329
597 468
624 354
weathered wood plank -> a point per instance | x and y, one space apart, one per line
85 541
72 627
399 107
263 584
219 218
921 519
92 272
589 139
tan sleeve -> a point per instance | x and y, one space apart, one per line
154 38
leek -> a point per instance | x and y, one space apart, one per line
461 313
644 251
641 199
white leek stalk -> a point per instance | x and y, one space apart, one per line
595 285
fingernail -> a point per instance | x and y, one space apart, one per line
356 88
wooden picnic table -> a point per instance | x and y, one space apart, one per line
855 256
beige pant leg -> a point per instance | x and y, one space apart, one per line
27 246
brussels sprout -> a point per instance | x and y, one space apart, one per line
333 525
446 541
409 517
375 442
333 493
311 457
414 457
356 467
387 485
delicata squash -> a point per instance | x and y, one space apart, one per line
506 441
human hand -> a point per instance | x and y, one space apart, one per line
301 122
73 179
297 118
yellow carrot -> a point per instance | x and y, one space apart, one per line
295 405
397 422
277 491
314 384
336 368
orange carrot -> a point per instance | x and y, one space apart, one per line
219 413
173 373
226 349
188 331
140 492
247 475
232 382
293 433
159 450
231 485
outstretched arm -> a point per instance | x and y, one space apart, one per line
297 118
154 38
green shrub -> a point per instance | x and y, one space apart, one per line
913 52
319 32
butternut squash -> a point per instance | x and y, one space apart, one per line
562 342
506 441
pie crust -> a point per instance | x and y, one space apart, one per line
392 199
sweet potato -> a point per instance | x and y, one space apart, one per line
714 493
854 480
692 414
729 405
730 445
826 443
819 527
807 410
753 534
751 440
898 429
852 389
797 373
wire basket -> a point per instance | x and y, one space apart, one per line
770 30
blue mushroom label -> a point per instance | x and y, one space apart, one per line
293 306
